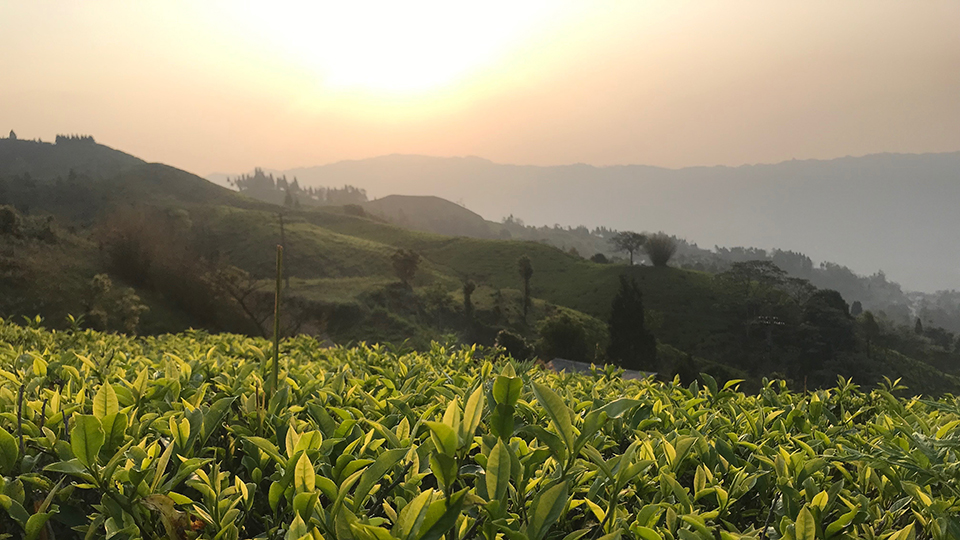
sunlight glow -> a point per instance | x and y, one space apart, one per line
395 48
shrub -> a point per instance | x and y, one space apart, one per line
660 248
562 336
514 345
354 210
154 250
10 221
113 309
405 264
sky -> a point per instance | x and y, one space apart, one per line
227 86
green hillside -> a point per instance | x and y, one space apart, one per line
431 214
559 277
46 161
180 252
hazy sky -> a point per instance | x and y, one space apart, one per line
226 86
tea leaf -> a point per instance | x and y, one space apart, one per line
86 439
105 402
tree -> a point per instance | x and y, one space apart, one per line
749 276
405 264
513 345
827 316
870 329
248 292
799 289
256 301
468 287
918 328
437 300
856 309
499 309
13 136
628 241
133 240
525 267
631 344
660 248
113 309
10 221
562 336
599 258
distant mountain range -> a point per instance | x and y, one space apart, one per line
898 212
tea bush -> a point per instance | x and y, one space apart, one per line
179 436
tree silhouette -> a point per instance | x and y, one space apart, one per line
748 277
628 241
525 267
599 258
827 317
13 136
437 300
514 345
631 344
871 331
468 287
660 248
562 336
405 264
10 221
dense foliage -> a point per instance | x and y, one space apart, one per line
179 436
265 187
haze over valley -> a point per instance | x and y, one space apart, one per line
876 212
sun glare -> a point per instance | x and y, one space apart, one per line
395 47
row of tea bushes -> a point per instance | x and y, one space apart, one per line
174 437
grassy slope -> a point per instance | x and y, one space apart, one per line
431 214
46 161
334 258
685 301
43 277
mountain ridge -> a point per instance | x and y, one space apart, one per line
220 174
895 202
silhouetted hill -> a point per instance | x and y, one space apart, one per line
889 211
46 161
430 214
77 180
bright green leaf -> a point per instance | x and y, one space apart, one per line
86 438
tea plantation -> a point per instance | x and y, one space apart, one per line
182 436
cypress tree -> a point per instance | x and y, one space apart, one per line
632 346
525 267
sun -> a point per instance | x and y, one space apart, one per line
394 47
